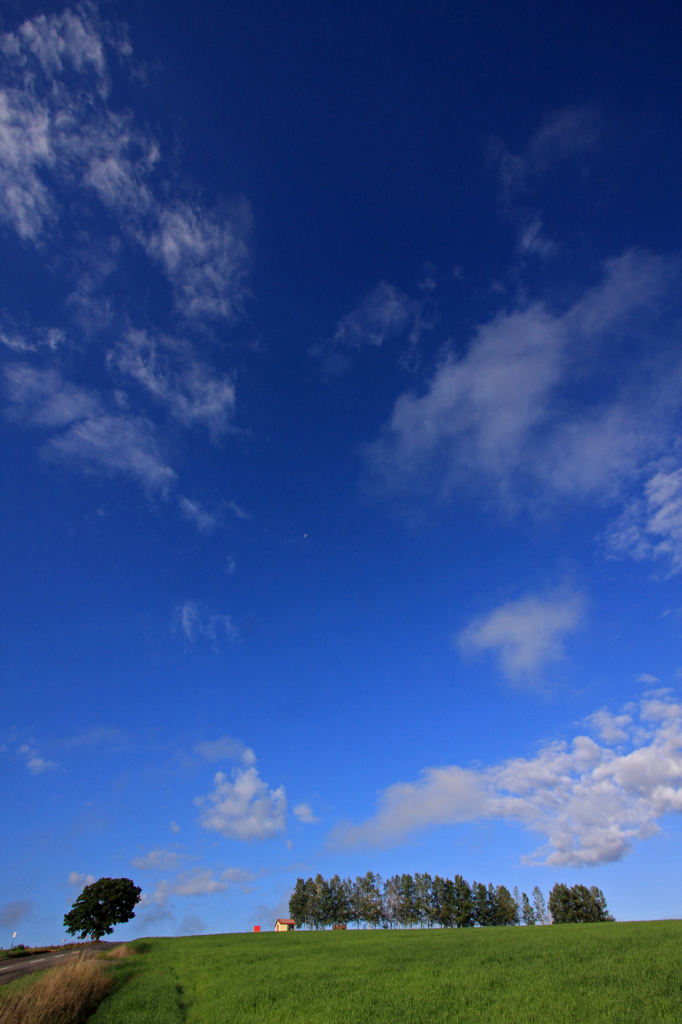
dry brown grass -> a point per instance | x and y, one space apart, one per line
121 952
61 995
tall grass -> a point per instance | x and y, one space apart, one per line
60 995
564 974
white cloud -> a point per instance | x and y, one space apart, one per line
566 134
194 512
651 526
239 876
170 371
199 882
610 728
174 827
304 813
67 39
385 313
114 444
226 749
590 802
532 242
195 621
79 880
94 440
42 398
244 808
49 339
204 256
58 134
34 763
504 416
158 860
526 634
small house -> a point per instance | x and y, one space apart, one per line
284 924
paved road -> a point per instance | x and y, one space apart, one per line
14 968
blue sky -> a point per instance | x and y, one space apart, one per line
341 489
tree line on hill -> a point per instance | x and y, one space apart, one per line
404 901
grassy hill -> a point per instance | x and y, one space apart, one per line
598 973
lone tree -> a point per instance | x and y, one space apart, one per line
100 906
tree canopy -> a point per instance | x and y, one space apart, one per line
101 905
404 901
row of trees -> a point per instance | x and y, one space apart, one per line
404 901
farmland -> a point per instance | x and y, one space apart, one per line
573 974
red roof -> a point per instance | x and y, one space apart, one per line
284 920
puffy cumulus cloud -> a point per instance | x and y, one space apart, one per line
534 407
651 526
526 634
158 860
304 813
590 801
172 373
35 764
194 622
79 880
243 807
226 749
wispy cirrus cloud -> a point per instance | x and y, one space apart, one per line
383 315
198 882
194 512
158 860
195 621
172 373
503 416
85 183
59 133
43 398
566 134
527 634
242 806
34 762
114 444
590 801
650 526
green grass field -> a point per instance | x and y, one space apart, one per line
599 973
